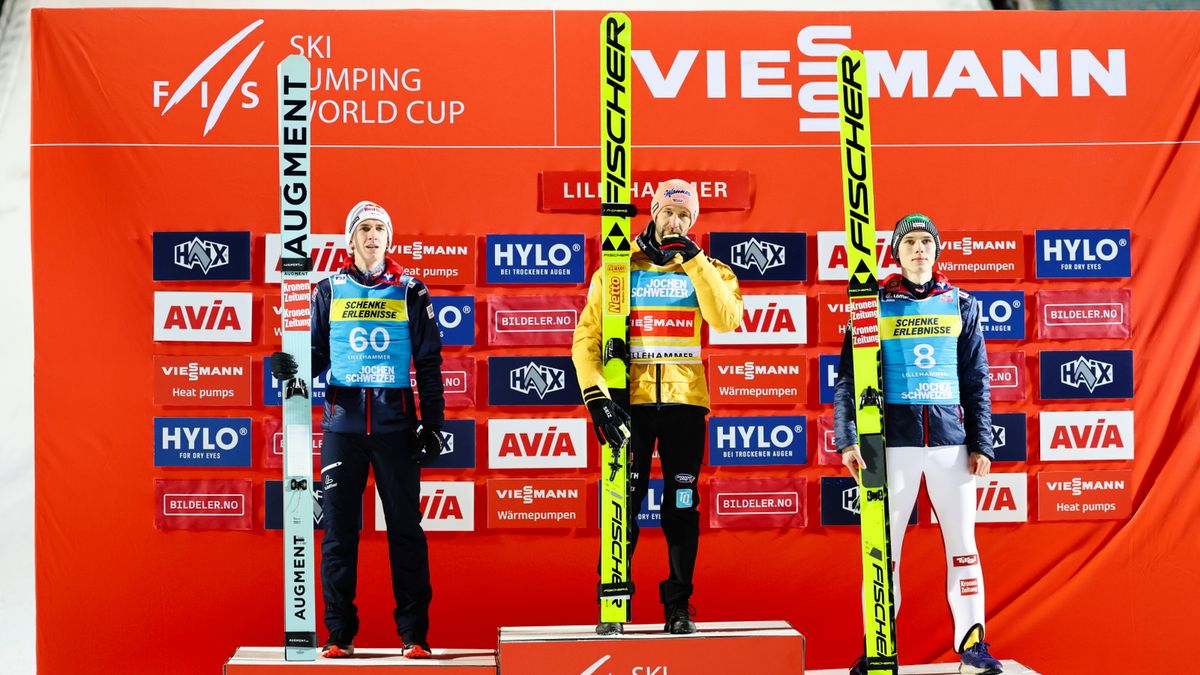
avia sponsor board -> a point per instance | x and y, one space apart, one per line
455 319
833 314
273 506
222 504
1000 498
1084 314
977 254
202 380
443 260
1002 314
1009 437
201 256
535 259
1085 495
826 448
832 259
458 446
757 441
202 317
272 445
446 506
742 380
537 502
758 502
458 381
762 256
271 386
1082 254
1006 371
827 371
202 441
1086 435
559 443
767 320
532 380
579 191
1102 373
840 502
533 320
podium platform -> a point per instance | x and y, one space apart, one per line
1010 668
269 660
759 647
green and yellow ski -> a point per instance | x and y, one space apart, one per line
616 589
879 609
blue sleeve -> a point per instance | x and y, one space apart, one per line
973 381
845 430
319 326
427 354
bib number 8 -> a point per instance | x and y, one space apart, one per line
378 340
924 354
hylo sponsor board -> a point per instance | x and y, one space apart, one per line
1082 254
757 441
455 319
1002 314
535 259
202 441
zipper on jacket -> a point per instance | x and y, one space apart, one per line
925 415
658 385
368 391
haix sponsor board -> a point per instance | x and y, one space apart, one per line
1085 495
458 381
840 503
833 315
455 319
757 441
201 256
219 504
1086 435
758 502
579 191
1000 498
1006 373
767 320
1082 254
202 441
742 380
825 447
446 506
273 505
272 442
537 502
1101 373
558 443
832 258
762 256
533 320
532 380
1002 314
535 258
437 260
202 317
202 380
976 254
458 446
272 387
1009 437
1085 314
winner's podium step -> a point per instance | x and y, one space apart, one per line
269 660
759 647
1010 668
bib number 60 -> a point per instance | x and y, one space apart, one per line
377 341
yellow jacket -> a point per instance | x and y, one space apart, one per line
720 301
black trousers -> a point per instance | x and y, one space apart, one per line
678 432
345 460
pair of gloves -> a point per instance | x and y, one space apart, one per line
429 438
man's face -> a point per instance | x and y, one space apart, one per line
917 252
672 220
370 241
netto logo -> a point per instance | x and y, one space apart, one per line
754 253
1086 373
850 500
201 253
233 84
536 379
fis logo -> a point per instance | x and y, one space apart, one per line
537 380
767 319
534 378
201 441
1087 435
1002 314
1083 254
246 91
1086 374
757 441
762 256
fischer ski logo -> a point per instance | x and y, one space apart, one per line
754 253
1086 373
538 379
248 96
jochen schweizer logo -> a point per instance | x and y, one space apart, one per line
232 85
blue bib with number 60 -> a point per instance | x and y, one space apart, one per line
369 341
920 348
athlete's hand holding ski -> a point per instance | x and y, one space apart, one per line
610 421
283 366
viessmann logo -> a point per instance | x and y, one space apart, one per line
215 102
750 370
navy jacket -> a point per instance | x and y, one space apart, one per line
928 425
383 410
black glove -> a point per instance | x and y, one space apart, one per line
429 445
609 420
283 366
673 244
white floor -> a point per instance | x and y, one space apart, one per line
1010 668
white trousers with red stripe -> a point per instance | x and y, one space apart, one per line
952 491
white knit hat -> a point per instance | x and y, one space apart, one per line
365 210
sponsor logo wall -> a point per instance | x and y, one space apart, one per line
201 256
